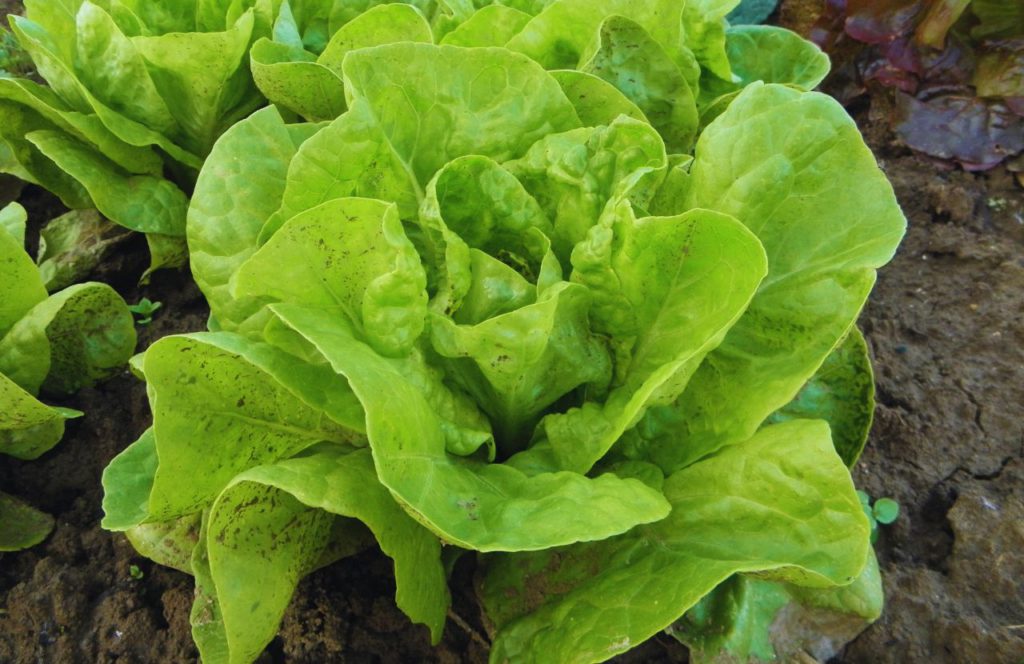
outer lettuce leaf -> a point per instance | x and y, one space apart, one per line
824 242
478 506
21 287
127 483
20 158
12 221
762 53
73 245
167 543
140 202
84 126
841 392
257 404
28 428
70 340
747 619
781 503
332 483
260 541
21 526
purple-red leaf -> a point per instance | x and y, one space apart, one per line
975 132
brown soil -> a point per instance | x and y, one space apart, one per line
944 323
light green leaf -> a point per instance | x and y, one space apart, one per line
140 202
21 526
627 57
81 335
165 251
47 32
260 542
291 79
768 54
110 66
704 27
438 103
28 428
84 126
205 617
747 619
493 25
350 253
517 364
20 158
481 506
223 227
841 392
167 543
824 237
574 174
12 221
347 485
474 202
203 77
63 80
667 289
73 245
597 102
21 288
127 483
781 503
775 55
383 24
218 413
371 169
558 36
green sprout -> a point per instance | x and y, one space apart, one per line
145 309
135 572
884 511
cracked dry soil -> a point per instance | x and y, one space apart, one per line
945 324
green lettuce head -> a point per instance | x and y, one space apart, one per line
55 344
478 310
138 93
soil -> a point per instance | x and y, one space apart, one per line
946 327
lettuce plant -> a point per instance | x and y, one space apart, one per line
955 65
594 321
138 92
48 343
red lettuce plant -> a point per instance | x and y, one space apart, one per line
956 68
